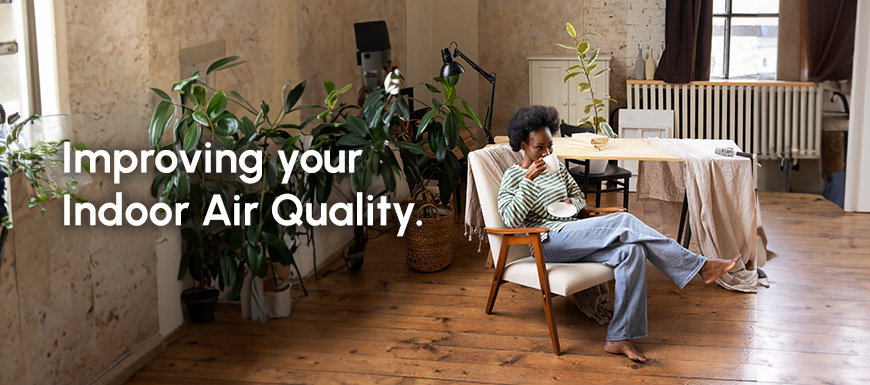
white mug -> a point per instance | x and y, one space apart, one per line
552 163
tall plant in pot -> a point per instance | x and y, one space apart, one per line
440 130
374 134
217 256
428 246
589 69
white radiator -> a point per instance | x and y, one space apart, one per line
770 119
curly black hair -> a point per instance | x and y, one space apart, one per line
528 119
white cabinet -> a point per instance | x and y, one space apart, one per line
547 88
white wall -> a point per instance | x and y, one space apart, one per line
168 255
858 162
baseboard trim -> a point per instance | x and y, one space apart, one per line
130 363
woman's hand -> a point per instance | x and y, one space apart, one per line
569 201
536 168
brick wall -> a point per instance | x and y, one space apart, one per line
511 30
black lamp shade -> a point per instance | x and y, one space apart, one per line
450 69
450 66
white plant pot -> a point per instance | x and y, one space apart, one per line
597 166
279 303
253 298
245 295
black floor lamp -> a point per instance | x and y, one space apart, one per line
451 68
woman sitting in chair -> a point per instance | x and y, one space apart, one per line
620 240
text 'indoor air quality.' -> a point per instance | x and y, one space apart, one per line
287 209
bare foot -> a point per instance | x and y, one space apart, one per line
625 348
714 268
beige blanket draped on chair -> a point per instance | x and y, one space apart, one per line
496 159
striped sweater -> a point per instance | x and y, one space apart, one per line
523 202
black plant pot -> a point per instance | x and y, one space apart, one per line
200 304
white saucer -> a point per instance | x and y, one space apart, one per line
562 209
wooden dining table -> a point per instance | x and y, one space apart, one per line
616 149
733 224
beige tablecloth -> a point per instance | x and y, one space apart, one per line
723 208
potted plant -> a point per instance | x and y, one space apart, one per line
383 128
33 162
218 256
439 129
429 247
377 133
595 106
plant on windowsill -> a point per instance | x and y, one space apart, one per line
595 106
33 162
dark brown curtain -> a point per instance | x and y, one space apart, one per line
688 39
830 38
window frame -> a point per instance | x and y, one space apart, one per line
41 57
727 16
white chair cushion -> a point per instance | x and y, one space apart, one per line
565 278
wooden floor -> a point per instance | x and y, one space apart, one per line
386 324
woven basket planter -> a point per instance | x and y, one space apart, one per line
430 246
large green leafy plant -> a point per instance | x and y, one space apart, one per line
218 254
590 70
441 126
377 133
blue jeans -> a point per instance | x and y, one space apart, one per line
624 243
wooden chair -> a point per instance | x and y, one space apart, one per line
591 183
516 264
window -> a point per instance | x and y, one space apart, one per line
29 77
744 39
13 91
29 66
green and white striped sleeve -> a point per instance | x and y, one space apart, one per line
516 196
578 198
